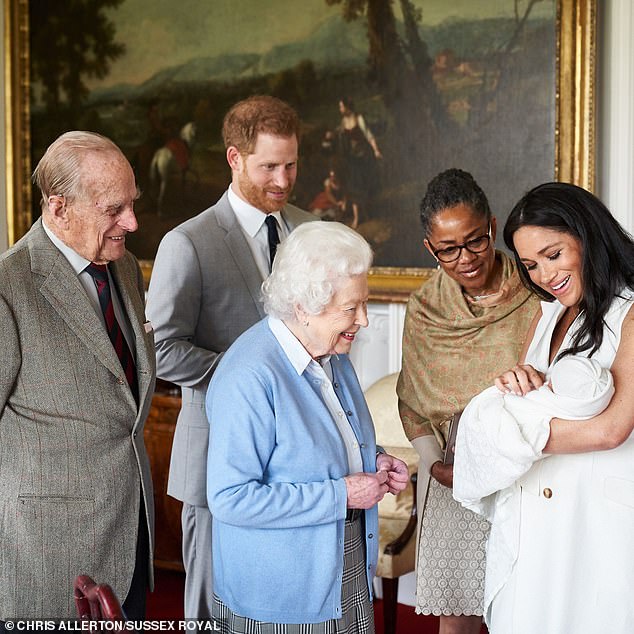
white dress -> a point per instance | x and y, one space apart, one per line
574 572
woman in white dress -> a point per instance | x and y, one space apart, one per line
574 567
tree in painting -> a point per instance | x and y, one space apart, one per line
438 110
400 68
62 58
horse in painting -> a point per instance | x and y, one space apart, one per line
172 163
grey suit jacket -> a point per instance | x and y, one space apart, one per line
73 464
204 293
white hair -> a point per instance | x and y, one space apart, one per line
59 171
310 264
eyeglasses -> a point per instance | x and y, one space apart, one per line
475 245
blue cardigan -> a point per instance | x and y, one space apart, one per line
275 484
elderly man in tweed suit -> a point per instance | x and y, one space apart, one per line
77 374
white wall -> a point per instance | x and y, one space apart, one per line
615 109
377 349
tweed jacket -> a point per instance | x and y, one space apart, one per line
73 464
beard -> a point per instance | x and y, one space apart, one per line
256 196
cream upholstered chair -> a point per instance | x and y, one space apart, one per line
397 514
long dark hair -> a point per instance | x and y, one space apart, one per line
607 251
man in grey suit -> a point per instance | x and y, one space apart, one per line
205 292
75 484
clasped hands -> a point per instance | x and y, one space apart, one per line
367 489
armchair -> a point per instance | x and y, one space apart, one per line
397 514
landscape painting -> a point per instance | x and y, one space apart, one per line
390 92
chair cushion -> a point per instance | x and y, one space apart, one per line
383 404
394 510
394 566
400 506
394 515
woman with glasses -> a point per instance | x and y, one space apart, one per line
462 328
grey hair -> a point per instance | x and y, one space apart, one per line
59 172
309 266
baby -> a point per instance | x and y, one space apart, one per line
502 435
578 388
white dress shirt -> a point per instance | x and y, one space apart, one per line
79 264
251 221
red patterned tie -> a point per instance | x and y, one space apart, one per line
99 273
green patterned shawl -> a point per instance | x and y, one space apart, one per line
453 349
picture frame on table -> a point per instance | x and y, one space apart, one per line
504 90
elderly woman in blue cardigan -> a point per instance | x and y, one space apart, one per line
294 474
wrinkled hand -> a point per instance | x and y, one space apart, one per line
396 469
520 380
443 473
366 489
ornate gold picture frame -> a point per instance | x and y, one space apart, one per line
573 105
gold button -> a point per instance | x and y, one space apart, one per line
548 493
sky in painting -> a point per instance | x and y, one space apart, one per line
163 33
